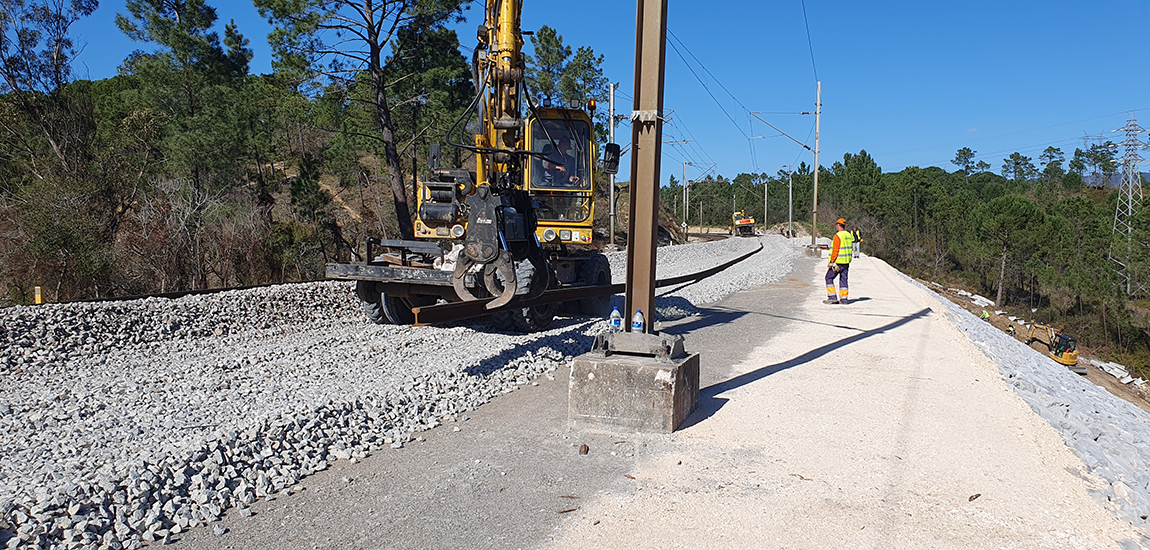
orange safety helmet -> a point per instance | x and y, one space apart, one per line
841 221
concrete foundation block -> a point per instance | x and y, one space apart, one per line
632 393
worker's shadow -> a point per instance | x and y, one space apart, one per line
710 402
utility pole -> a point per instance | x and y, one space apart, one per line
790 203
611 177
610 386
646 150
764 188
686 227
766 184
815 204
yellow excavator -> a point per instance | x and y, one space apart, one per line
742 225
1060 347
516 226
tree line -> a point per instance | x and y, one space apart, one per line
1036 235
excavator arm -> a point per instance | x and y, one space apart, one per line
500 227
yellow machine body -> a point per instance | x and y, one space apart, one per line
561 182
1060 347
742 225
505 229
565 193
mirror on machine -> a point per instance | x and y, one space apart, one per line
611 158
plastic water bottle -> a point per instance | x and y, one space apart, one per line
638 324
615 321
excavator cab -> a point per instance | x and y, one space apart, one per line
560 177
1064 350
1059 347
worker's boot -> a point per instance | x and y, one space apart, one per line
831 299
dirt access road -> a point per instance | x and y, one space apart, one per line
871 425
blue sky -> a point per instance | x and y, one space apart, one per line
909 82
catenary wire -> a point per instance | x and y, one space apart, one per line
810 45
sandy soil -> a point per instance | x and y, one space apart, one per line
871 425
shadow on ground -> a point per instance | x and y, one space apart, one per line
710 402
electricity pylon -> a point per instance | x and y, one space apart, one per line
1129 201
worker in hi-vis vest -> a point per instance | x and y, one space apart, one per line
842 252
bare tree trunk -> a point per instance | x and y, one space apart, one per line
1001 276
390 154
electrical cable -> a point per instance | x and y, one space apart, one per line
1014 133
704 67
1020 150
708 90
675 39
809 44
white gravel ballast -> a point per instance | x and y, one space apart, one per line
123 423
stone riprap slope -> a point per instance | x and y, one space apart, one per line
128 422
1109 434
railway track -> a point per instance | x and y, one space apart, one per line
708 237
458 311
431 313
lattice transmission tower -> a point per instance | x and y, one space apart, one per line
1122 245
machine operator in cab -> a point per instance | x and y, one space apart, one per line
560 165
839 264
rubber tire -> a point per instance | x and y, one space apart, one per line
397 310
596 270
369 298
532 319
529 319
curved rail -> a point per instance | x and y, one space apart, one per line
458 311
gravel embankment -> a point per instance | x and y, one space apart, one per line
128 422
679 301
1109 434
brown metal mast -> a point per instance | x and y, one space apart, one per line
646 151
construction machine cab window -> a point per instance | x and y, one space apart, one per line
565 149
1064 344
560 175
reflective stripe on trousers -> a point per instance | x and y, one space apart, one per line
842 275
